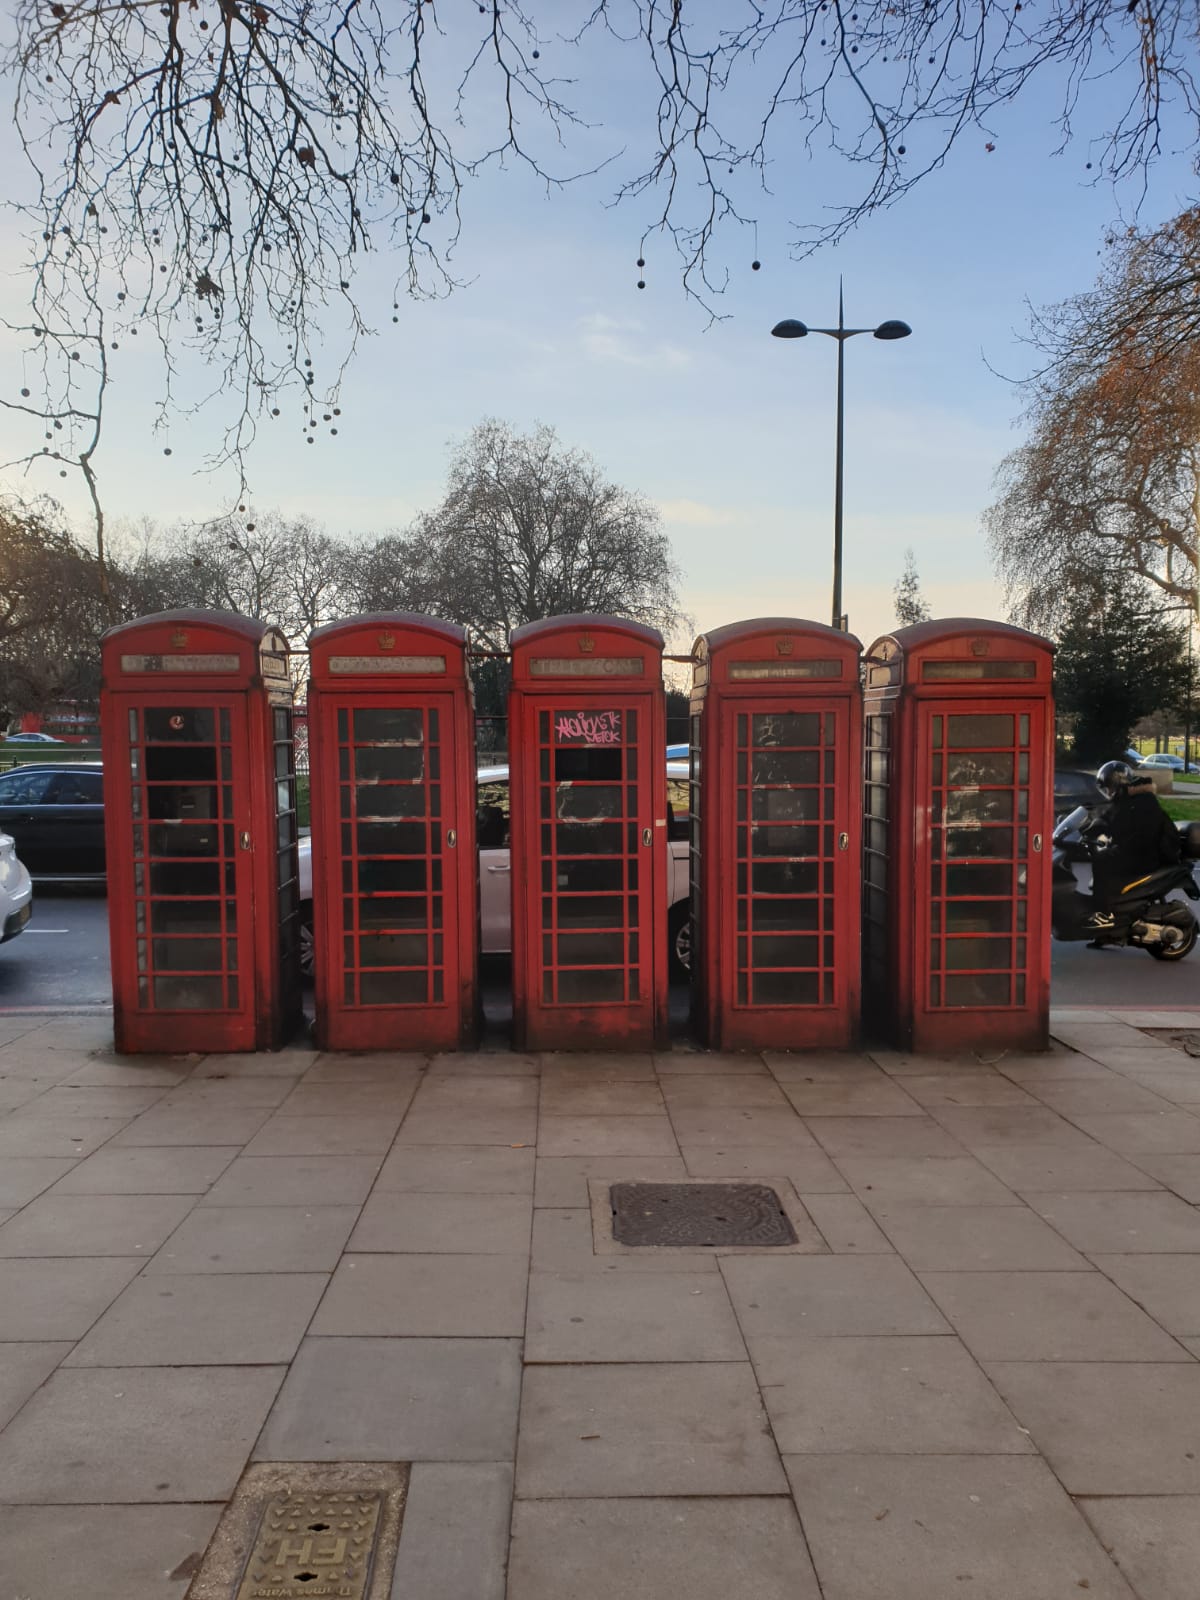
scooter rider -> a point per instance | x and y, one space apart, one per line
1142 837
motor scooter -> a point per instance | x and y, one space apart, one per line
1143 914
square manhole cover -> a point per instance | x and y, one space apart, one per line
307 1531
699 1214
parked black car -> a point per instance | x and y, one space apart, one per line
55 812
1075 786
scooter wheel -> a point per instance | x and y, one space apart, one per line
1178 951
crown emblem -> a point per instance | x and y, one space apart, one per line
179 639
586 643
387 641
783 647
980 647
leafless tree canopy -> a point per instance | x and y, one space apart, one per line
207 173
527 530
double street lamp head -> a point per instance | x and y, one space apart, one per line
790 328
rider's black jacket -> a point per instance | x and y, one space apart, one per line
1143 836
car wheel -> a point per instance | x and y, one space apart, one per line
680 940
308 951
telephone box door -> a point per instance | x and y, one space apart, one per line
789 938
180 785
981 891
391 906
594 921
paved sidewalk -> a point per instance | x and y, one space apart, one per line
977 1375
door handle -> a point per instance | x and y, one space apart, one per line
843 841
244 842
646 836
1037 843
451 838
499 868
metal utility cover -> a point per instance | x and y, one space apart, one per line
699 1214
307 1531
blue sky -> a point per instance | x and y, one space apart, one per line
728 431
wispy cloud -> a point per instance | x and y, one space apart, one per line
622 342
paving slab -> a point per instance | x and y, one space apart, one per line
454 1544
472 1091
916 1138
641 1316
1134 1132
821 1066
1053 1067
807 1166
977 1239
59 1299
1155 1541
294 1181
727 1127
145 1169
688 1062
1027 1126
16 1092
498 1063
23 1370
441 1224
563 1180
112 1071
563 1242
1115 1222
94 1224
606 1136
681 1429
292 1063
709 1091
846 1225
1179 1173
1181 1087
706 1549
1048 1316
266 1239
924 1181
900 1395
458 1169
982 1087
23 1134
609 1097
596 1064
1166 1286
852 1097
424 1296
225 1093
136 1552
1047 1168
366 1066
467 1125
397 1400
390 1098
325 1136
828 1296
1110 1427
1119 1095
23 1177
204 1319
92 1100
941 1527
198 1124
135 1434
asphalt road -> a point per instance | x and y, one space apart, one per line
60 963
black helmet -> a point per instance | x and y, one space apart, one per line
1113 776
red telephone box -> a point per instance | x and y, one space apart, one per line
959 815
200 829
587 751
391 735
776 732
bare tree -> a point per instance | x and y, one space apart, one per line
911 605
528 530
208 173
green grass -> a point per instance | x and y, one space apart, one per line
303 806
1180 810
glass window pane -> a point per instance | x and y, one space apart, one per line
388 725
978 731
978 989
584 986
786 988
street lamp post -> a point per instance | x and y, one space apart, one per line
791 329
